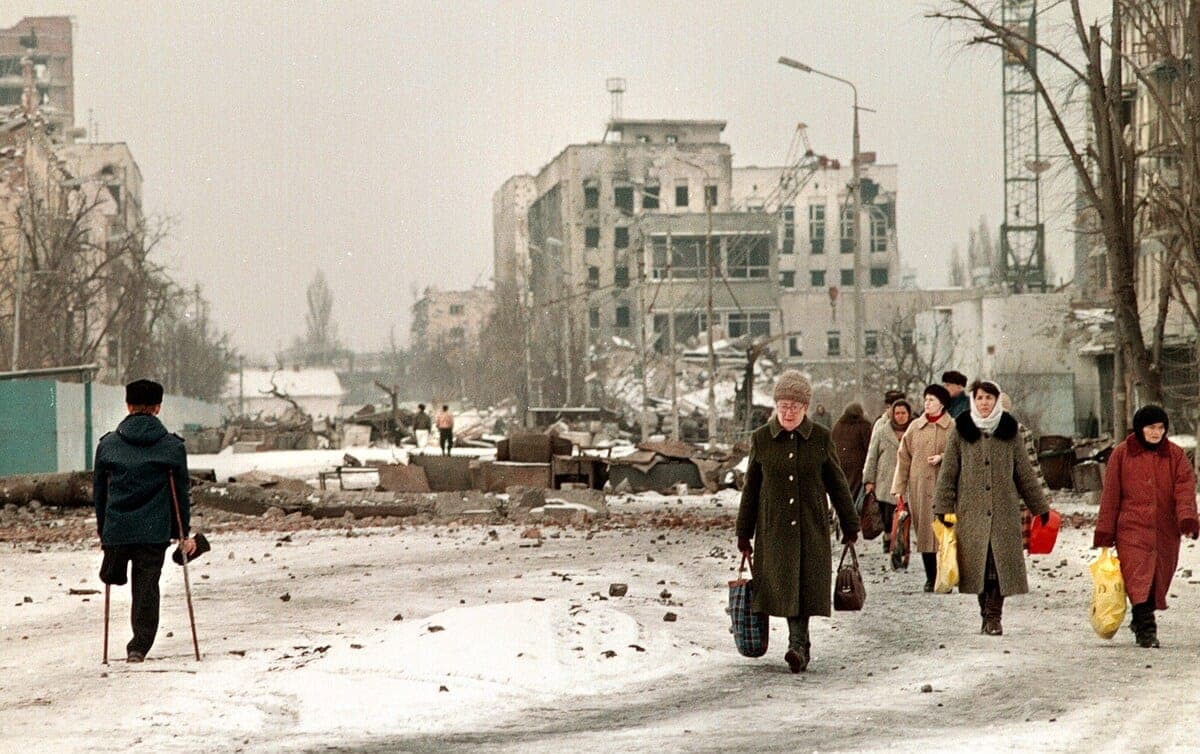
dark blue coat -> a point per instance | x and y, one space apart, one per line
130 482
959 406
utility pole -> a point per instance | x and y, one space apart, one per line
860 312
712 359
641 296
671 340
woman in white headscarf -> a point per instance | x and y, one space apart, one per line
985 475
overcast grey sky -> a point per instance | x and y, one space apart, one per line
366 139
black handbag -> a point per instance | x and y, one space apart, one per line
849 593
870 519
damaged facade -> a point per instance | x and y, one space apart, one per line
451 321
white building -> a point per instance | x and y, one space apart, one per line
318 391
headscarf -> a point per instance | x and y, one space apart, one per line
987 423
899 428
1145 416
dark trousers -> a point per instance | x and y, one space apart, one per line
929 560
798 632
1143 614
446 440
886 512
991 602
147 563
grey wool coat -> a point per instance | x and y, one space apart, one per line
880 468
784 509
983 479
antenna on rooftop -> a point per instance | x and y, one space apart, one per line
616 87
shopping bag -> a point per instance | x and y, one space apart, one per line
1042 537
750 629
869 517
947 556
901 530
1108 594
849 592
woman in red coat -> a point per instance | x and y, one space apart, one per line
1149 499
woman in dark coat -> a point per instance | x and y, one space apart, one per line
1149 500
792 469
985 475
852 438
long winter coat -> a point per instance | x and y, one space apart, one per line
880 468
784 509
852 437
1147 495
984 478
916 478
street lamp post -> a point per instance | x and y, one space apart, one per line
856 204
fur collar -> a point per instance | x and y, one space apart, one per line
1006 431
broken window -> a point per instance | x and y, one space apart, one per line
710 196
650 194
833 343
456 309
789 230
672 139
593 280
594 318
621 276
643 139
848 277
622 318
787 278
591 195
457 334
847 230
591 237
749 257
749 323
871 342
794 347
687 257
817 278
816 227
681 192
623 198
878 232
621 237
879 277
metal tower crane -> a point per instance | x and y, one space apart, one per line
1022 236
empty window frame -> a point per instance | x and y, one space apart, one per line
879 277
622 315
591 237
847 230
710 196
848 277
456 309
623 197
833 343
748 257
748 323
650 195
789 230
816 227
871 342
681 192
687 257
593 279
795 346
620 237
879 241
787 278
621 276
591 194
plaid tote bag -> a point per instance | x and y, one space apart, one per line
750 630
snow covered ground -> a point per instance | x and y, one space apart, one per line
455 638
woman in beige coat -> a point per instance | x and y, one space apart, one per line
880 468
917 463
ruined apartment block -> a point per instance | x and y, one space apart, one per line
50 39
451 320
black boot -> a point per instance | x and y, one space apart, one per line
1144 626
991 605
929 560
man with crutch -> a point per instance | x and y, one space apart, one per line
140 483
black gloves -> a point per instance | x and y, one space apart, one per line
849 537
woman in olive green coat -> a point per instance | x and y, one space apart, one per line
985 475
793 467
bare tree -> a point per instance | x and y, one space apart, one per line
909 360
1107 165
958 273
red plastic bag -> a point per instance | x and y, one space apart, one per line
1043 536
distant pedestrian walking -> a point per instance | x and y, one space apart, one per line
445 427
880 468
135 516
852 436
985 475
421 424
956 384
821 417
917 462
1149 500
793 470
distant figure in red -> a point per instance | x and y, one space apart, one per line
1149 500
445 427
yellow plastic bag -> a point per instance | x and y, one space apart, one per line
947 556
1108 594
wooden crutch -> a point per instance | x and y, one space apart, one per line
107 590
187 585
